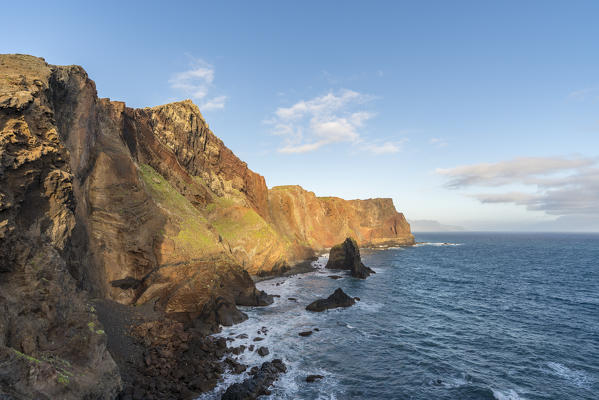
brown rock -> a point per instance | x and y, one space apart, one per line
143 207
347 256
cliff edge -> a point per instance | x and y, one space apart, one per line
135 206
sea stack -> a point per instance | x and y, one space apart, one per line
347 256
336 300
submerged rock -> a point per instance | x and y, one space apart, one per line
258 384
347 256
337 299
263 351
312 378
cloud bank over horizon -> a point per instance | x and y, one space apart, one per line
565 187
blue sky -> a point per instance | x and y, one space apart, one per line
479 114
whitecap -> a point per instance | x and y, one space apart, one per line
368 306
436 244
506 395
575 377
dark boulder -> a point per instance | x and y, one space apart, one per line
337 299
347 256
236 367
312 378
126 283
263 351
257 384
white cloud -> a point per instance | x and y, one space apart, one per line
304 148
216 103
591 93
334 117
439 142
554 185
385 147
197 82
520 169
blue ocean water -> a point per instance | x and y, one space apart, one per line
461 316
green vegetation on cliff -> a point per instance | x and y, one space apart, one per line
194 236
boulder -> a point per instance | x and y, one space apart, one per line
337 299
236 367
257 384
312 378
263 351
347 256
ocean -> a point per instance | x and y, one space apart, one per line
458 316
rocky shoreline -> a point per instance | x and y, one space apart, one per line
127 236
246 388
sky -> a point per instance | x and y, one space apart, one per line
479 114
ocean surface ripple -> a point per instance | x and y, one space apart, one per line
460 316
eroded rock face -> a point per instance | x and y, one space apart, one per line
322 222
347 256
336 300
51 342
135 206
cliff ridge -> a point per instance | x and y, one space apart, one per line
135 206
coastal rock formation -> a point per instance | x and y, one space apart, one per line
51 342
321 222
336 300
347 256
258 384
134 207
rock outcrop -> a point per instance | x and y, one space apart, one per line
347 256
135 207
336 300
258 384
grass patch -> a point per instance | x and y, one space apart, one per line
193 237
63 379
92 328
26 357
250 227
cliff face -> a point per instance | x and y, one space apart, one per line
51 343
135 205
322 222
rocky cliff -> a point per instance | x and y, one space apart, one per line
136 206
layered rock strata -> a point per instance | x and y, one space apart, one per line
134 206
